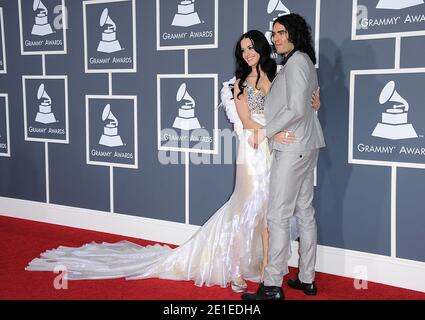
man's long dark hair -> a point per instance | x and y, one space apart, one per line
262 47
299 33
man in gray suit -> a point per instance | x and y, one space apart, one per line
287 105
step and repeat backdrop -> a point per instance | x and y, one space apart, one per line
113 105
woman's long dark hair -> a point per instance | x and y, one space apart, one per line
299 33
262 47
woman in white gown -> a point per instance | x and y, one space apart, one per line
228 248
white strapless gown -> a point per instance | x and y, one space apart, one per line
226 247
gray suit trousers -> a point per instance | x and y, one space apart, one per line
291 193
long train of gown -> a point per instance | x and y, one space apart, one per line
227 246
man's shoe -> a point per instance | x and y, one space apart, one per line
309 289
265 293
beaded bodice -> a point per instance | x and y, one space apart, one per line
255 99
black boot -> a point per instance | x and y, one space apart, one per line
265 293
309 289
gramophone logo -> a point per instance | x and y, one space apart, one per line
398 4
186 24
394 124
41 26
277 9
186 15
44 114
186 119
109 42
110 136
105 132
45 102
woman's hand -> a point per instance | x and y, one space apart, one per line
315 99
284 137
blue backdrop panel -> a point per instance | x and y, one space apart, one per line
410 214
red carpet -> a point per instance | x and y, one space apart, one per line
23 240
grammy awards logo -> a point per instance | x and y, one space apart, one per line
397 4
109 42
186 119
186 15
41 26
394 123
110 136
44 114
281 10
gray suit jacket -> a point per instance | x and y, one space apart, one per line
288 105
